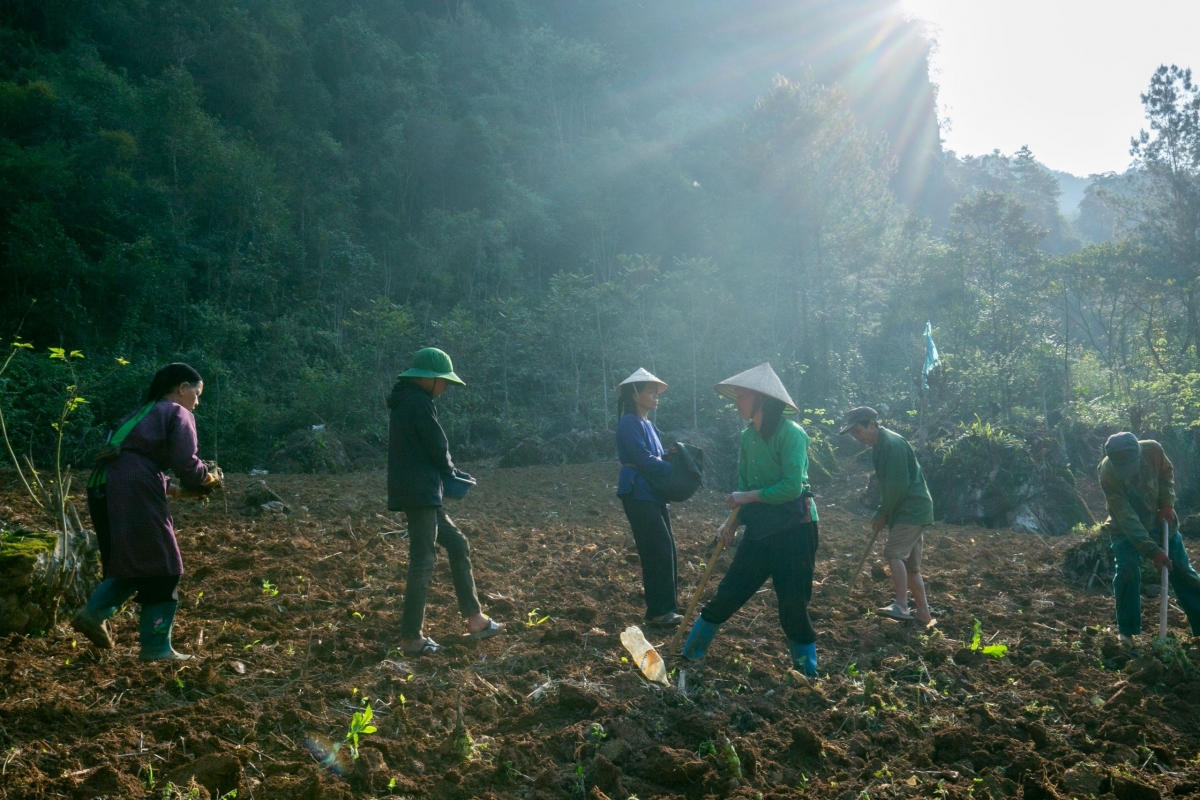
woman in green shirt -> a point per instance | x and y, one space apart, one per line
776 505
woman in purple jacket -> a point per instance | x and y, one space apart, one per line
640 450
137 538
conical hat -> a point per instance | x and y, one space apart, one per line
642 376
761 379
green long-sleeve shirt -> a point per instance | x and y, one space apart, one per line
778 469
906 498
1133 505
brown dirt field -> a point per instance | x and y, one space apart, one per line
900 713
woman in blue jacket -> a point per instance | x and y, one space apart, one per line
639 447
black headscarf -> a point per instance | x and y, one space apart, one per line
167 379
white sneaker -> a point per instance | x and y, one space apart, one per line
1126 640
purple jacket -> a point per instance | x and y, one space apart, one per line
143 536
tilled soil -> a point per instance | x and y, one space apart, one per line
293 618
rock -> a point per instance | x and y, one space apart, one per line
259 497
219 773
315 451
27 605
1126 788
991 477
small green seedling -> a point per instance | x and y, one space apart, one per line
579 788
595 733
993 650
357 615
148 779
360 725
852 670
392 785
533 620
731 759
251 645
269 589
708 748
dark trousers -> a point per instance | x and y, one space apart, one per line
787 558
1127 584
428 526
150 591
651 525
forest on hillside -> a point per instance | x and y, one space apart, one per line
295 195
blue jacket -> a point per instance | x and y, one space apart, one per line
639 448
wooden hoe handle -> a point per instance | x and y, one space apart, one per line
730 522
861 561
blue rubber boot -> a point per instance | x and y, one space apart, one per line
155 629
699 639
92 619
804 657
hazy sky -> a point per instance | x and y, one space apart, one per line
1062 76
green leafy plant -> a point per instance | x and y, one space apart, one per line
993 650
533 620
731 758
708 748
360 725
269 589
148 778
579 785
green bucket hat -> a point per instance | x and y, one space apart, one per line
433 363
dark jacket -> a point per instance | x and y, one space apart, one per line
418 453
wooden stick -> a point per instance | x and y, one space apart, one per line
1162 594
861 561
730 523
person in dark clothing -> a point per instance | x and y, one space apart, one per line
127 498
1139 489
419 466
640 450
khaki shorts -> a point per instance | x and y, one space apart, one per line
904 542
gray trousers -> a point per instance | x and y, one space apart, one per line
429 526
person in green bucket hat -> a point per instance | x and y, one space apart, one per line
419 467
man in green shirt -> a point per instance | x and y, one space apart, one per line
1139 489
906 510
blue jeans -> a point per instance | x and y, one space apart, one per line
1127 584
